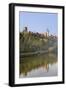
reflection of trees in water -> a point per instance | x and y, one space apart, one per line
46 67
28 64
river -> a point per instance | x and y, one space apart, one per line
44 65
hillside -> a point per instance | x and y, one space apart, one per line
32 42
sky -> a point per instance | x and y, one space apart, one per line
39 22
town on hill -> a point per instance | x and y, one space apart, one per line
32 43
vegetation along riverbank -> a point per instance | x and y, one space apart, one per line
33 43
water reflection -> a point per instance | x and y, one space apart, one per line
38 66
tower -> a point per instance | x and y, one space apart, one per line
25 29
47 32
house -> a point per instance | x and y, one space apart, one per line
46 34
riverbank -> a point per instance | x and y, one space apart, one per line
38 52
33 53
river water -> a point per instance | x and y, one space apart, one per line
39 66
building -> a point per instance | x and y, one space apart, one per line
25 29
46 34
